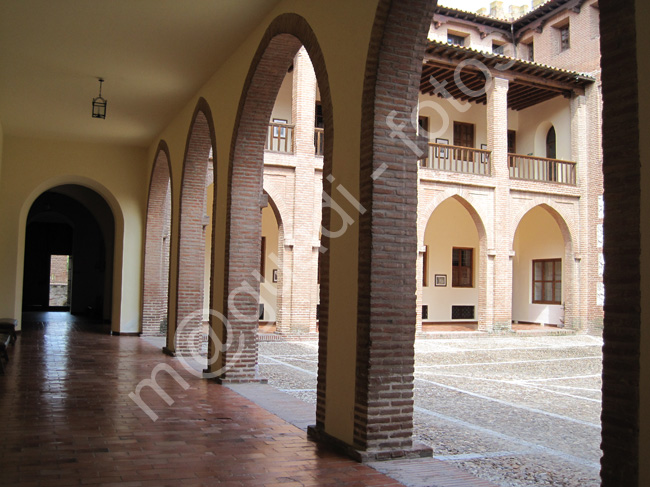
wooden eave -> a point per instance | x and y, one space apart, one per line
529 83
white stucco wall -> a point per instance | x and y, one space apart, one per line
537 237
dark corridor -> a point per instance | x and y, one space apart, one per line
73 221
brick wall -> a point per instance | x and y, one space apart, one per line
622 246
584 54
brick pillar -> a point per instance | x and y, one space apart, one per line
497 116
302 305
578 301
373 417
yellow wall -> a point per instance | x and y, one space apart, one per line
643 54
450 226
268 290
537 237
32 166
1 142
343 31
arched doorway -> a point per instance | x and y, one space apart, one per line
270 268
451 267
540 286
70 233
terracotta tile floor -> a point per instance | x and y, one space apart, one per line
67 420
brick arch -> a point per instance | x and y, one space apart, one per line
155 286
277 203
191 247
569 271
280 43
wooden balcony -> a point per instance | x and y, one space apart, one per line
319 141
532 168
444 157
279 138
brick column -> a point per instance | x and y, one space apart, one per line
497 122
306 207
577 290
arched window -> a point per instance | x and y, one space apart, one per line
551 145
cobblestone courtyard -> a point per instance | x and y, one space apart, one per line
519 411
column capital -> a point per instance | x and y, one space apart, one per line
498 84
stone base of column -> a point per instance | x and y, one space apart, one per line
417 450
236 380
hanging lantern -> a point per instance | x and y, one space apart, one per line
99 103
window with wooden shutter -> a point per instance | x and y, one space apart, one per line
462 267
464 137
547 281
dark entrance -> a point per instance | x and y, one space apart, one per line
75 222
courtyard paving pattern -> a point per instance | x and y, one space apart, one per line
517 411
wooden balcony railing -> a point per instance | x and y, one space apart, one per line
533 168
468 160
319 141
279 138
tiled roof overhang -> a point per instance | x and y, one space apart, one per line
529 83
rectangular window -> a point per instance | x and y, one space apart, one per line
425 267
462 265
318 121
463 134
463 137
263 259
565 40
423 125
455 39
547 281
512 141
527 51
497 48
462 312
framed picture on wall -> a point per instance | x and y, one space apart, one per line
441 280
275 275
440 152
